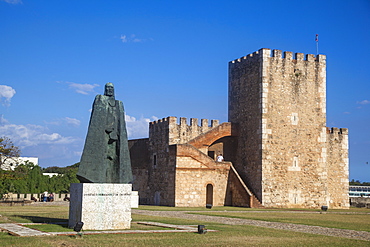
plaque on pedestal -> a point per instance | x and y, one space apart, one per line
100 206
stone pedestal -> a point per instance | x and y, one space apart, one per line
134 199
100 206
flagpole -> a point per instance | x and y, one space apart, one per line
317 47
317 44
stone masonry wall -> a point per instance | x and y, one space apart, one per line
236 194
184 132
162 135
140 160
245 111
337 160
161 177
279 104
293 119
192 178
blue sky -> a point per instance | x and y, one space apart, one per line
166 58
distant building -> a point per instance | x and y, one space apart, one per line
51 174
12 163
359 191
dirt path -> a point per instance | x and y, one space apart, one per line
335 232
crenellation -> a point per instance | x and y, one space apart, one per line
299 56
172 120
334 130
288 55
214 123
265 52
161 125
338 131
183 121
277 53
310 57
249 57
321 58
194 121
344 131
204 122
177 133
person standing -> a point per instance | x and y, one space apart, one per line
51 197
45 196
220 158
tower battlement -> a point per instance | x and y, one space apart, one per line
266 88
184 122
336 131
179 131
163 121
264 52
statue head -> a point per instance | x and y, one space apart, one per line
109 89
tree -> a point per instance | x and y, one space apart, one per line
358 182
28 178
7 150
53 169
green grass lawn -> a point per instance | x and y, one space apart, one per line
64 227
359 222
164 208
227 235
35 214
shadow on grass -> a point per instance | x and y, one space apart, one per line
38 219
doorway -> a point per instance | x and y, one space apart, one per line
209 195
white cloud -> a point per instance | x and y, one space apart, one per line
138 128
82 88
13 1
131 38
123 38
72 121
3 120
66 121
52 148
31 135
364 102
136 40
6 94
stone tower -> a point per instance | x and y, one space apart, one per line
286 155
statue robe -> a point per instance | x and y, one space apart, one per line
106 157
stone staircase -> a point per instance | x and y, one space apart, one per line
196 149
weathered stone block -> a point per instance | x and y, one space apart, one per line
100 206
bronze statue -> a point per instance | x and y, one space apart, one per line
106 157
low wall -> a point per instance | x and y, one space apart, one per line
11 196
360 202
57 197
